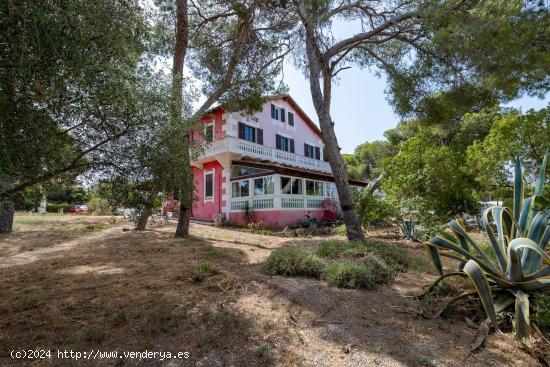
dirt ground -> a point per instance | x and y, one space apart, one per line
82 284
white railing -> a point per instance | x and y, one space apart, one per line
243 147
277 202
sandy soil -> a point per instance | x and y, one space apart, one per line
128 291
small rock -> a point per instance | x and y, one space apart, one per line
125 229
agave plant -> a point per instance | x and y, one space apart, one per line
518 238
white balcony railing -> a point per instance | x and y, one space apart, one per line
247 148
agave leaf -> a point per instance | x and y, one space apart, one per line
539 285
537 229
499 247
542 175
525 215
436 259
522 323
460 233
476 274
518 188
527 244
446 244
514 271
543 272
503 301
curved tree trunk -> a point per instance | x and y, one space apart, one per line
182 230
7 210
321 96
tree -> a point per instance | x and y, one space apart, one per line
237 49
326 56
364 163
66 74
512 134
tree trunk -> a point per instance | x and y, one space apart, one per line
353 224
182 38
144 217
182 230
7 210
321 100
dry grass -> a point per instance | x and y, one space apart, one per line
115 290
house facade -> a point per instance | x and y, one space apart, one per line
268 166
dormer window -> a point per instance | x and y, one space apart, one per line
278 113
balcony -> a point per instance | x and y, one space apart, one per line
253 150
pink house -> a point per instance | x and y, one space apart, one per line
271 162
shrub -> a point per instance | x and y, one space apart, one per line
518 237
341 230
331 249
349 274
541 307
293 261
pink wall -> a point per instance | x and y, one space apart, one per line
219 122
206 210
301 133
277 218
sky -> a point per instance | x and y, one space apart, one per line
360 109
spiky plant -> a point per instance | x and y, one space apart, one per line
518 238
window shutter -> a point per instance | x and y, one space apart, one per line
283 115
277 141
291 119
317 153
260 136
305 145
241 130
291 145
272 111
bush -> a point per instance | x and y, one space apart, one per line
293 261
349 274
541 307
341 230
331 249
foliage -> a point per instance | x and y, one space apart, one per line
364 163
351 274
68 76
371 209
519 237
55 207
449 66
541 308
512 134
293 261
426 176
67 193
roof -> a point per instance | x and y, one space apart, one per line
292 170
294 105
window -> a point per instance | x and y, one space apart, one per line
250 133
331 190
309 151
237 171
312 152
239 189
263 186
283 143
209 133
208 185
314 188
278 113
291 119
291 186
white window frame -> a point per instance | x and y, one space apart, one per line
302 181
278 112
209 199
263 178
204 131
238 182
314 187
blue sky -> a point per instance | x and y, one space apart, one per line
360 108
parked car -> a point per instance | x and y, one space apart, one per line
79 209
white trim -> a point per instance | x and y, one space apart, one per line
209 199
212 123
